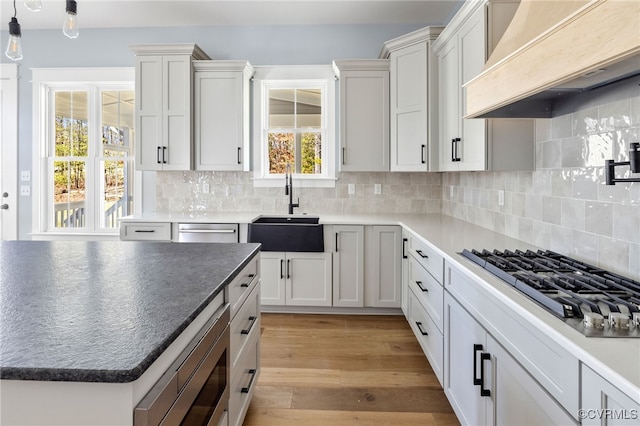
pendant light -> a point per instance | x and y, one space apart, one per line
14 46
34 5
70 27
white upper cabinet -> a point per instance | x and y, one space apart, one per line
164 82
413 101
221 115
364 115
462 49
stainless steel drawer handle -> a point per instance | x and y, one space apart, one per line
422 255
253 376
253 319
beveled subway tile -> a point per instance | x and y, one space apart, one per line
550 156
542 129
573 213
551 209
541 234
542 182
525 229
533 206
585 246
525 181
561 183
615 115
585 121
634 261
635 110
561 239
599 218
614 255
626 222
561 126
574 151
598 148
585 183
518 204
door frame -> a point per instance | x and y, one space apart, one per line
9 150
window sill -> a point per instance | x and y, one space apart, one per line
276 182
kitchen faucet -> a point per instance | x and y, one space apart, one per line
288 189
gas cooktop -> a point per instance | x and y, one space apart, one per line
596 302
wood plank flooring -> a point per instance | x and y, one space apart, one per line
344 370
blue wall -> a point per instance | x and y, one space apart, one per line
260 45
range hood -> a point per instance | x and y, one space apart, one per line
555 48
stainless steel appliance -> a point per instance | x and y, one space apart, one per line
596 302
195 389
208 233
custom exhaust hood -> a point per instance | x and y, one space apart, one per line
556 48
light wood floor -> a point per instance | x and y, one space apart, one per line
344 370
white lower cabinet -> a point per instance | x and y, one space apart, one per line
605 405
296 279
485 384
383 276
348 266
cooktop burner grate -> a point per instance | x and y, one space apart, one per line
594 301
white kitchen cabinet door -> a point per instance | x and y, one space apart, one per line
428 335
348 266
364 115
465 373
404 304
272 275
462 49
383 262
413 97
605 405
164 85
221 115
308 279
516 398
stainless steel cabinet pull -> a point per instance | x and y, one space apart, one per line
208 231
419 325
253 375
422 255
252 320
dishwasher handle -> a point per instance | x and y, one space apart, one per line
208 231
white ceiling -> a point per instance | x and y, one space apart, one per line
151 13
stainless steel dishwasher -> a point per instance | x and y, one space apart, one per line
208 233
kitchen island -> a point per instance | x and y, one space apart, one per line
87 328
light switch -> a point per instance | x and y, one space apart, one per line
351 188
377 189
501 197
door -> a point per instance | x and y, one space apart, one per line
383 281
449 107
272 278
308 278
348 266
9 151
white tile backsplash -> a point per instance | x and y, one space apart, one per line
564 204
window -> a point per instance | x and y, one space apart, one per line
83 167
293 125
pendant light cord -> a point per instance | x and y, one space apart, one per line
15 12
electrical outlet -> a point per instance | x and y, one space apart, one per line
501 197
25 175
25 190
351 188
205 188
377 189
451 192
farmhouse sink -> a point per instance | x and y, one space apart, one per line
287 233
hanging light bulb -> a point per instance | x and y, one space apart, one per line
34 5
14 47
70 27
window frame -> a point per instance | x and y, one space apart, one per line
46 81
306 76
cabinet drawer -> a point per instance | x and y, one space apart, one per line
429 258
145 231
242 285
427 290
245 325
428 335
243 381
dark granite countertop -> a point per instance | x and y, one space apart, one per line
103 311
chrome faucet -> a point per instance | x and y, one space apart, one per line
288 189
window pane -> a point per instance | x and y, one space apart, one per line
116 191
309 108
69 194
311 153
71 133
281 151
117 119
281 108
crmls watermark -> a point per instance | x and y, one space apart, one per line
609 414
